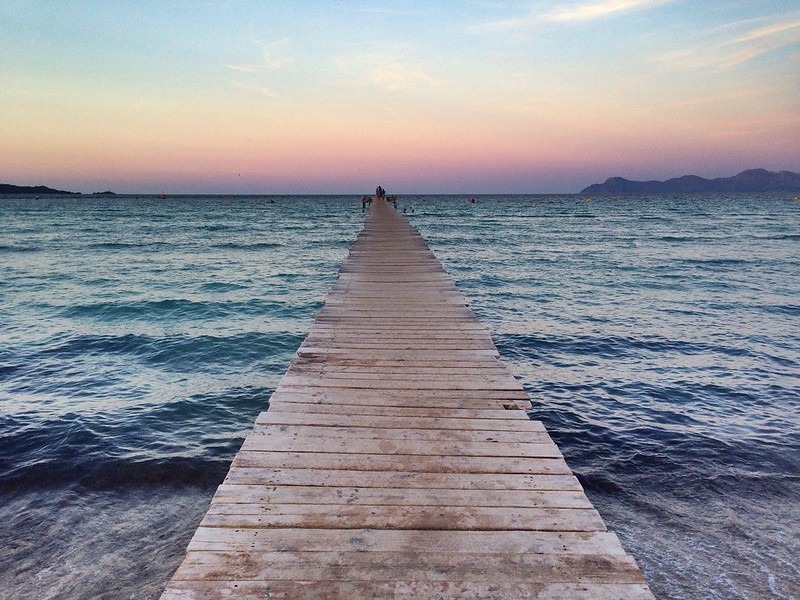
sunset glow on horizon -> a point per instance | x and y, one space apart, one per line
462 97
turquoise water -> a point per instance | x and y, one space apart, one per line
658 337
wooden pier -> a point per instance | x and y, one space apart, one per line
396 460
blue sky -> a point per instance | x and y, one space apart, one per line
277 97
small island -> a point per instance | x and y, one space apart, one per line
752 180
7 188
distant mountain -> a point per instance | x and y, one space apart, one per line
7 188
753 180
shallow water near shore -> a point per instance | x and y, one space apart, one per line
658 337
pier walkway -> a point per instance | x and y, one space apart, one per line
396 460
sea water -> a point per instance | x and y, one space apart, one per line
658 337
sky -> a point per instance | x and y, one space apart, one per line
483 96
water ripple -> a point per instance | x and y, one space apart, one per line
657 336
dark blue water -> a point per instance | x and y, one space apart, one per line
658 336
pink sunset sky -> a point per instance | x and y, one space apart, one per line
447 97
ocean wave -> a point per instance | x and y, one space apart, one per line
19 248
692 461
609 346
177 309
677 239
719 262
177 352
784 309
216 227
189 440
221 287
107 473
248 247
122 245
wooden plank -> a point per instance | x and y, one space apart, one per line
245 488
345 369
443 340
443 297
266 489
488 374
396 399
433 396
495 381
396 447
401 462
429 359
395 353
343 364
494 377
444 399
413 516
284 404
400 422
440 566
432 541
252 474
403 590
371 405
325 434
455 384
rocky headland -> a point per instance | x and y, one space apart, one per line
39 190
752 180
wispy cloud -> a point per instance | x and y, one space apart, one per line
570 13
739 46
744 94
397 76
596 10
770 31
262 90
374 10
273 59
393 71
772 125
